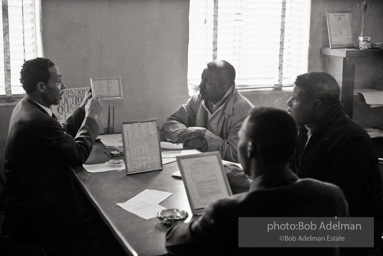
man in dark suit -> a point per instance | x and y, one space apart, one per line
267 141
333 148
46 211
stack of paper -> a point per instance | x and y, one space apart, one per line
374 98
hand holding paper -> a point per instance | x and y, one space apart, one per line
93 109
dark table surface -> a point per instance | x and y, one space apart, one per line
137 236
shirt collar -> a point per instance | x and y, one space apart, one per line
48 110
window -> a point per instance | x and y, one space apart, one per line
265 40
20 41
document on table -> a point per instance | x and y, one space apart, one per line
179 152
146 204
103 167
168 160
169 145
374 98
112 140
170 155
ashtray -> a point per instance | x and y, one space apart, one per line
169 216
115 163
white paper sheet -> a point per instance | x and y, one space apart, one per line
169 145
107 88
227 163
374 98
112 140
146 204
374 132
174 153
167 160
144 210
104 167
177 174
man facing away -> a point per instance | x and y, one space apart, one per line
333 148
211 119
267 141
47 214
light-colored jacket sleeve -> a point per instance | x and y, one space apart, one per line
227 147
177 126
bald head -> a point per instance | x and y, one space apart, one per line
319 85
216 79
224 70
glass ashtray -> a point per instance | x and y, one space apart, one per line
169 216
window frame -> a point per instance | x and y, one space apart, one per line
192 80
37 41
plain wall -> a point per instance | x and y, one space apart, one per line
145 42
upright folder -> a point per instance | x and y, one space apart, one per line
204 179
141 146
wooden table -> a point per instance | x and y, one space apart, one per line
137 236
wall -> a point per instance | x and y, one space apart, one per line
366 74
144 42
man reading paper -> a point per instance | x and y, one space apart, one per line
267 141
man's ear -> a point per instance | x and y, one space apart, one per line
317 104
41 87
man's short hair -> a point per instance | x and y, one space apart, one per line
225 70
319 85
34 71
273 133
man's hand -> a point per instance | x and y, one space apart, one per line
93 108
197 143
88 95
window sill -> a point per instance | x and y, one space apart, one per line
5 102
283 90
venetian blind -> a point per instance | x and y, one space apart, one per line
20 41
265 40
